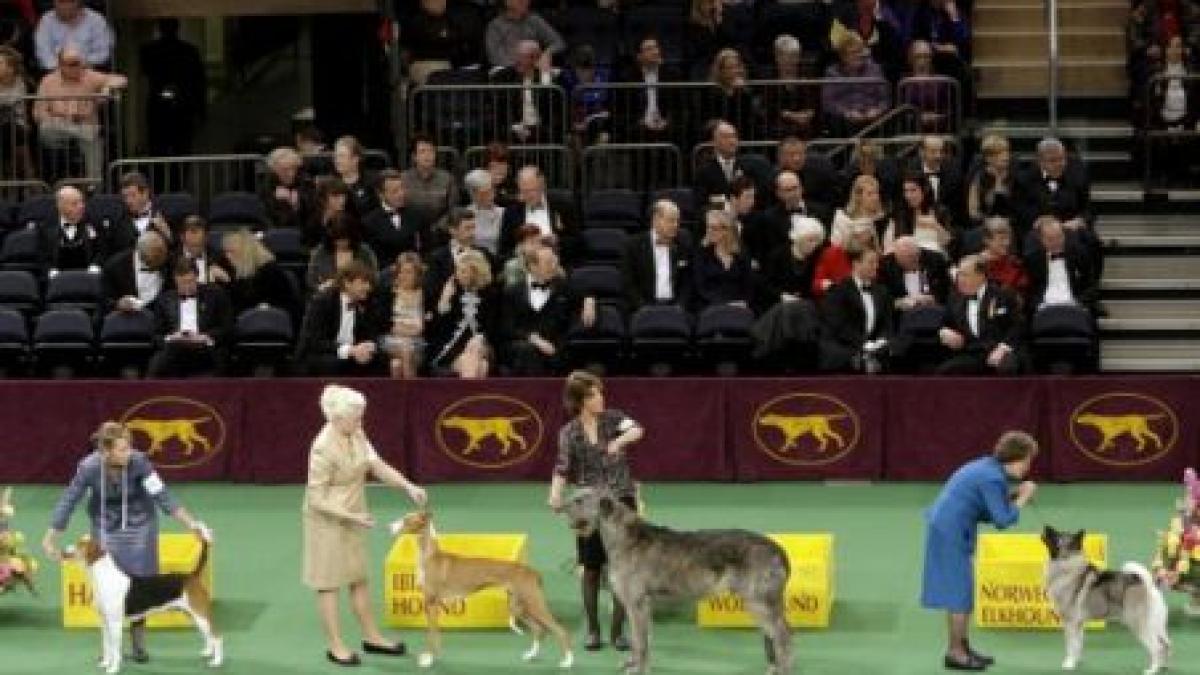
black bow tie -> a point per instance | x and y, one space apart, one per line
189 296
538 286
146 269
866 288
1056 256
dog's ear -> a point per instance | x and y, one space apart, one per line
1077 540
1050 539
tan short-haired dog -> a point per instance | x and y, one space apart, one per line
445 576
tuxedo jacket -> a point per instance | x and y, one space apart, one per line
820 180
775 227
629 105
323 319
1034 197
1080 274
519 318
389 241
563 222
931 263
1000 319
90 246
844 317
710 180
950 192
638 274
214 313
118 278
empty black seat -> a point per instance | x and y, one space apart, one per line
604 245
22 251
14 339
19 291
263 337
602 282
723 334
75 289
105 210
175 206
1063 339
127 338
39 210
602 342
660 336
613 205
237 209
63 337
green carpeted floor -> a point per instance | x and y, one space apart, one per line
271 627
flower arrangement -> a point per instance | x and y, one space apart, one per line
1177 550
17 567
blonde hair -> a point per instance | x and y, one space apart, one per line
413 260
481 271
284 154
993 144
107 435
854 208
248 253
339 401
714 71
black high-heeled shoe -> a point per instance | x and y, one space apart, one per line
351 660
987 660
397 649
970 663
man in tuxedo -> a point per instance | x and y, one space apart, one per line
943 176
194 321
1055 187
914 276
816 173
133 279
443 261
715 175
656 266
70 242
394 227
983 328
212 266
536 316
645 112
1060 272
774 225
139 215
530 113
339 336
556 221
856 318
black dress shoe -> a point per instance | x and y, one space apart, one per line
351 660
594 643
987 660
969 663
397 649
139 656
620 644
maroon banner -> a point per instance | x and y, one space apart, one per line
48 426
805 429
1123 429
685 427
934 425
190 430
484 430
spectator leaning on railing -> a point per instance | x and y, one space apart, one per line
15 161
70 23
66 109
514 24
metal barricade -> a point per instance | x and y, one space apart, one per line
704 152
644 167
555 161
60 139
1160 134
17 191
202 176
321 163
467 116
937 98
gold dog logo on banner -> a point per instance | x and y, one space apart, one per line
489 431
1123 429
177 432
805 429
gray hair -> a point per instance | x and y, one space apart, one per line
805 226
285 154
995 225
787 43
476 180
149 239
339 401
1050 144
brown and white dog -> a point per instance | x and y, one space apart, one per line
445 576
118 596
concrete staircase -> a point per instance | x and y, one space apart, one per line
1011 48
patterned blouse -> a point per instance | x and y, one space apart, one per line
585 464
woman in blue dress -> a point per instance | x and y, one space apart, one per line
124 490
977 493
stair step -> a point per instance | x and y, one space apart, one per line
1093 77
1124 191
1002 45
1153 267
1127 310
1147 355
1150 325
1149 364
1150 231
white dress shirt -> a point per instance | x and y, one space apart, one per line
662 272
189 315
529 111
973 305
142 222
868 306
540 215
345 335
653 114
1058 284
913 283
149 282
935 180
727 166
538 297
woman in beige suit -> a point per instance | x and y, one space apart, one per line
336 520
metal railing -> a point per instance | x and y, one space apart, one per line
60 139
467 116
1052 64
937 98
1159 133
644 167
202 176
902 122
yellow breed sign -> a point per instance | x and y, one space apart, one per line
404 605
1010 589
177 553
809 594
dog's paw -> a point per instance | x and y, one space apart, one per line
425 660
532 653
1069 664
568 661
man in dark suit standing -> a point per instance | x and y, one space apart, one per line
944 177
394 227
644 113
530 111
194 321
983 328
536 316
133 279
1060 272
340 334
818 178
915 276
556 221
656 266
856 318
443 261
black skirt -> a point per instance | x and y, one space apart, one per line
591 548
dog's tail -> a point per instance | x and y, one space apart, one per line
1158 612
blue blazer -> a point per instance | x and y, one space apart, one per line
976 493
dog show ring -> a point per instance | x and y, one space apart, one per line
809 592
177 553
488 608
1010 588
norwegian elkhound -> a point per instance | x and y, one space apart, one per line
1082 593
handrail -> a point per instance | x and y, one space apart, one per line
873 127
1052 93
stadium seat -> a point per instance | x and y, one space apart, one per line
604 245
287 245
684 198
1063 340
262 339
39 210
104 210
22 250
917 346
660 337
75 289
175 206
602 344
8 215
237 209
63 339
612 205
14 341
127 340
602 282
19 291
723 336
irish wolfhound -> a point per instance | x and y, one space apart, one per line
648 561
